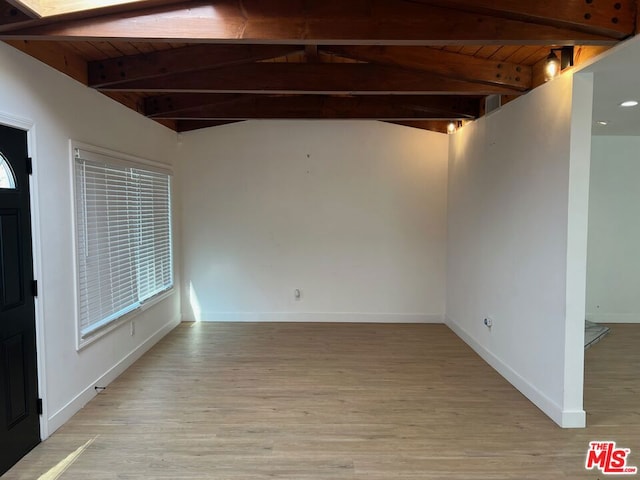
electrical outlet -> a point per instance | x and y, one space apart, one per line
488 322
297 294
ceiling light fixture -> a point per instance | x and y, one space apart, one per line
451 128
602 122
629 103
554 65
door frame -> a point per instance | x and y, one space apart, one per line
36 244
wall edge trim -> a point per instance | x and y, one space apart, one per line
321 317
565 419
614 317
60 417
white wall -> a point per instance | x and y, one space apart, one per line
512 178
353 213
60 109
613 268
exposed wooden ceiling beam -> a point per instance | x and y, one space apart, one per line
244 107
127 99
56 56
169 105
288 78
432 125
313 22
441 62
613 18
311 53
179 60
171 124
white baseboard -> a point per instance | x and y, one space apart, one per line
573 419
566 419
59 418
321 317
614 317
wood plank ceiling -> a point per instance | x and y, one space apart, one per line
422 63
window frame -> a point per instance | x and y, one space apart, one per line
5 168
115 158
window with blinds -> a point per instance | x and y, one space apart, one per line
123 223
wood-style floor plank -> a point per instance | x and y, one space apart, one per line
335 401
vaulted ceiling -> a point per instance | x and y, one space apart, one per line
422 63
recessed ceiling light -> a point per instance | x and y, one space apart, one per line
629 103
602 122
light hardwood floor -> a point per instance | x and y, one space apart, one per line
335 401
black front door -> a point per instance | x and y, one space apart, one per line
19 419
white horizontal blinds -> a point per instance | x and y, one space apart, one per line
124 238
154 260
106 244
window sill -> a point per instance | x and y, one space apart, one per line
82 343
